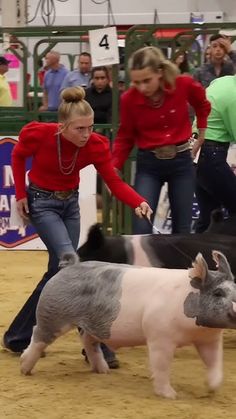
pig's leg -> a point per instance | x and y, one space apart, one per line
41 338
94 354
212 355
160 356
32 353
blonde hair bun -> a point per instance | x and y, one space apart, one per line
73 94
73 105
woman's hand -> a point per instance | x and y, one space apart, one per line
197 142
143 210
196 147
22 208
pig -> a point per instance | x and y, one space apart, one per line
175 251
123 305
220 225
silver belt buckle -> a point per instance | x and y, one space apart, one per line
165 152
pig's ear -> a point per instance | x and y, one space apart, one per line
222 263
96 237
199 269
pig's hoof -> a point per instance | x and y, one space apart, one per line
214 380
101 368
213 388
168 393
25 370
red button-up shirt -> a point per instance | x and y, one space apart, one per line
39 141
147 127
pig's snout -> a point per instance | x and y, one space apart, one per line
232 312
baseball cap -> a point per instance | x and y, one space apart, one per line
4 61
121 77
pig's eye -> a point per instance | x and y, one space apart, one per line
219 293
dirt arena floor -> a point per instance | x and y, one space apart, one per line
62 387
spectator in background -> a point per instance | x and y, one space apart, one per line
81 76
5 92
181 61
221 63
207 54
41 72
121 83
99 95
121 80
52 81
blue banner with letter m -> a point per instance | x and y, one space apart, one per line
10 236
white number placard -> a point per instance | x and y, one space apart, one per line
104 46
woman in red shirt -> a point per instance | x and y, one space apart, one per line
58 153
155 118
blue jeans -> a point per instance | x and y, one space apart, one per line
216 183
151 174
57 223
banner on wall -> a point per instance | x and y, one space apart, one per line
13 75
10 236
25 238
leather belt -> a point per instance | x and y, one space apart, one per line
169 151
61 195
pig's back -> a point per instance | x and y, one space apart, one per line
152 290
149 281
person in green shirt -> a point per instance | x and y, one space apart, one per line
215 180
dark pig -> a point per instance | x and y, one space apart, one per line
175 251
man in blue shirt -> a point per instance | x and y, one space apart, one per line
52 81
81 76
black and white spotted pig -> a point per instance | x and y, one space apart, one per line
175 251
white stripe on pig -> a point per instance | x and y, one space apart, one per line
139 256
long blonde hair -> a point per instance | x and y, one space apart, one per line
73 105
153 58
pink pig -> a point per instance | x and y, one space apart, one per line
123 305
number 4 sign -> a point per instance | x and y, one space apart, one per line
104 46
